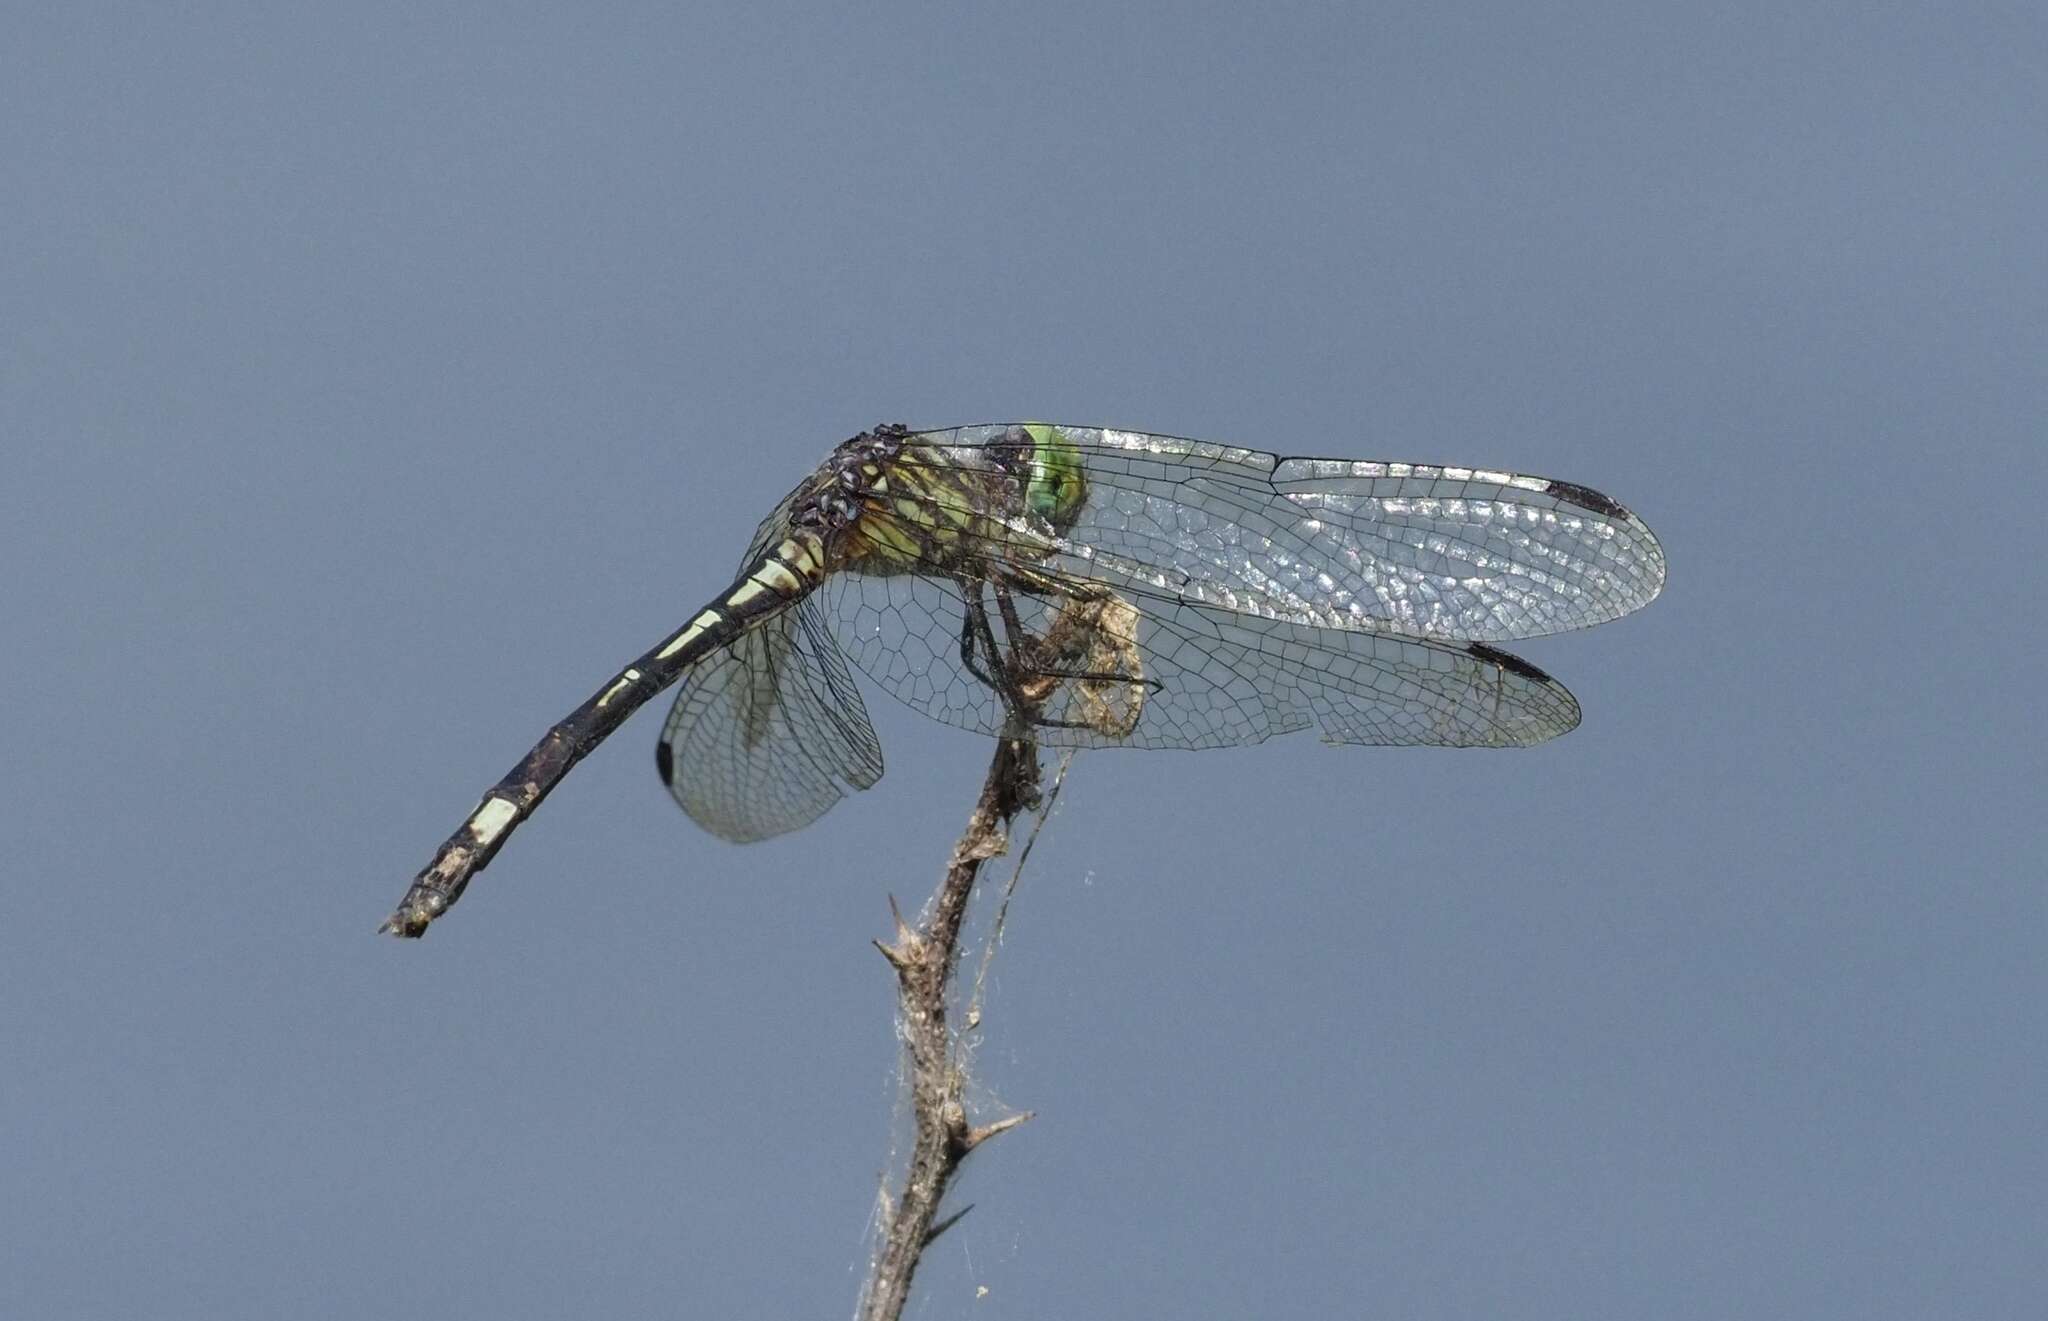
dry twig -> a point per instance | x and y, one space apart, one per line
924 958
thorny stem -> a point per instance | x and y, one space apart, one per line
924 958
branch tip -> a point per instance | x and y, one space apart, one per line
975 1137
905 936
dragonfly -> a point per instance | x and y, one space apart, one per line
1090 587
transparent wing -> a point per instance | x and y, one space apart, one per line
1199 595
1430 551
1154 671
768 733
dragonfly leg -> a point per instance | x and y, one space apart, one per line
1092 649
977 636
967 633
1023 671
1078 633
1006 602
1091 645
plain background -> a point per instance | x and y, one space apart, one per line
375 381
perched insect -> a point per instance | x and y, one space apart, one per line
1093 587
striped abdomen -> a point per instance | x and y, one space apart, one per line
776 580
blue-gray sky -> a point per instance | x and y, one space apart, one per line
374 381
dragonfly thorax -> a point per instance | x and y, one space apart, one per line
833 499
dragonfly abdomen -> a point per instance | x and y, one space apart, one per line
777 579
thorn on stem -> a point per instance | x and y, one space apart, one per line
975 1137
905 937
933 1233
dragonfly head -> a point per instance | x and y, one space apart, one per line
1049 469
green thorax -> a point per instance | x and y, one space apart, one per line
919 510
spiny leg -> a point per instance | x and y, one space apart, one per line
1031 678
1022 668
1054 646
975 629
1003 668
1011 674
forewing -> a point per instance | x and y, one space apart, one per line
1430 551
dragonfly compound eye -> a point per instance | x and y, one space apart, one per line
1057 486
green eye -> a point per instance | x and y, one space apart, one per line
1057 488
